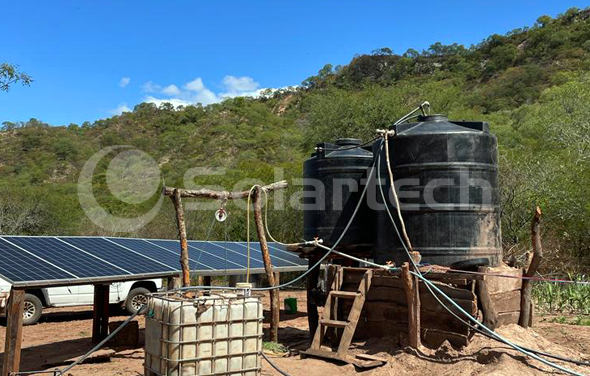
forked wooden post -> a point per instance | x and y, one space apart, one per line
274 294
527 285
413 298
176 195
100 319
14 332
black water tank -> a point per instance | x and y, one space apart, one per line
333 183
446 174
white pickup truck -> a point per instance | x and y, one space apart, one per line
131 295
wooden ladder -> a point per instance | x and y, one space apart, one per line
330 320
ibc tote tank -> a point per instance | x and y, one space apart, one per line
446 173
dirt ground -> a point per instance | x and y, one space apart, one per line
64 333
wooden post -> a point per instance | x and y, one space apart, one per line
207 280
100 319
14 332
413 297
173 283
232 280
490 316
278 292
274 296
177 200
312 281
527 285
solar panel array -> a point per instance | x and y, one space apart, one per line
49 260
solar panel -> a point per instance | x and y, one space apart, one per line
114 254
224 250
198 255
277 257
28 261
18 265
165 256
81 264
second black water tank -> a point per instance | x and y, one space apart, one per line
333 182
447 178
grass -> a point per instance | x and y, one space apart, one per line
274 347
564 298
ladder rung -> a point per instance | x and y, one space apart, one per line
344 294
334 323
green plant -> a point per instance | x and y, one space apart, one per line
274 347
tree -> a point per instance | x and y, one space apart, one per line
10 75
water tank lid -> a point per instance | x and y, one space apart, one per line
347 142
437 124
434 117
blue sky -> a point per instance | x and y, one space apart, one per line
91 59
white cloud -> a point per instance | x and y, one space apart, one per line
150 87
171 90
124 81
195 85
173 101
240 84
120 109
195 91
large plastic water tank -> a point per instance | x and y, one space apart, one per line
333 183
446 174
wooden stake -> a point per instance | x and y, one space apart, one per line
274 296
177 200
14 332
527 285
312 281
413 297
100 319
490 316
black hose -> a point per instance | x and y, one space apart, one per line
274 366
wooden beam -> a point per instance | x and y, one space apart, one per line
412 289
220 195
274 296
177 201
14 332
100 318
527 284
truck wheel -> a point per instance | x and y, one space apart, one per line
32 309
137 298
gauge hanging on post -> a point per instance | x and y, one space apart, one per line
221 214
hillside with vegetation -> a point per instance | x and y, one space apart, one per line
532 85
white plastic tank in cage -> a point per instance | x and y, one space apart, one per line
214 333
